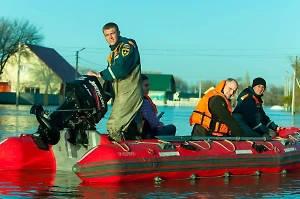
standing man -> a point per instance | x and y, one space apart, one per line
249 112
212 115
123 76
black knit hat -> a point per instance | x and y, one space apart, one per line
259 81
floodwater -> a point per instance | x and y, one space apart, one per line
42 184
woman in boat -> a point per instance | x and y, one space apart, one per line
249 112
152 126
212 115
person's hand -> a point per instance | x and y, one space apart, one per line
92 73
279 128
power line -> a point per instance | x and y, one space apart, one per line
187 50
92 62
196 52
219 55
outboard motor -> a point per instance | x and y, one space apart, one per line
84 106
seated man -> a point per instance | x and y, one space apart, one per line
151 124
249 112
212 115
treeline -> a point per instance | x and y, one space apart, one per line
274 95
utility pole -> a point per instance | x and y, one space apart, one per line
294 86
289 81
285 86
18 75
77 52
200 88
288 85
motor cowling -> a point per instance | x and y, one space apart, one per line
83 107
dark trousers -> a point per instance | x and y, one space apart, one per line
169 129
199 130
151 133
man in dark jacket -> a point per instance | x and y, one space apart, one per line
124 77
249 112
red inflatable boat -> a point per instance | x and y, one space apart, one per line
188 157
166 158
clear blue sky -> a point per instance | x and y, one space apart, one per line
214 39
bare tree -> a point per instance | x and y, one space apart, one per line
12 32
246 80
44 75
181 85
273 95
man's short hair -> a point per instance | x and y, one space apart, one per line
231 79
109 26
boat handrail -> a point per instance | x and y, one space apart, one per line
222 145
198 145
207 138
125 147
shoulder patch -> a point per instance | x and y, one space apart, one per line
125 50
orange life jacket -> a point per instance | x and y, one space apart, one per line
202 116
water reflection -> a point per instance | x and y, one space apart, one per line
233 187
41 184
296 120
44 184
15 120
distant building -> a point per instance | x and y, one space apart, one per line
42 70
176 96
162 86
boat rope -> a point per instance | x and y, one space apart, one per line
155 143
272 148
277 138
228 174
126 148
222 145
295 137
198 145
